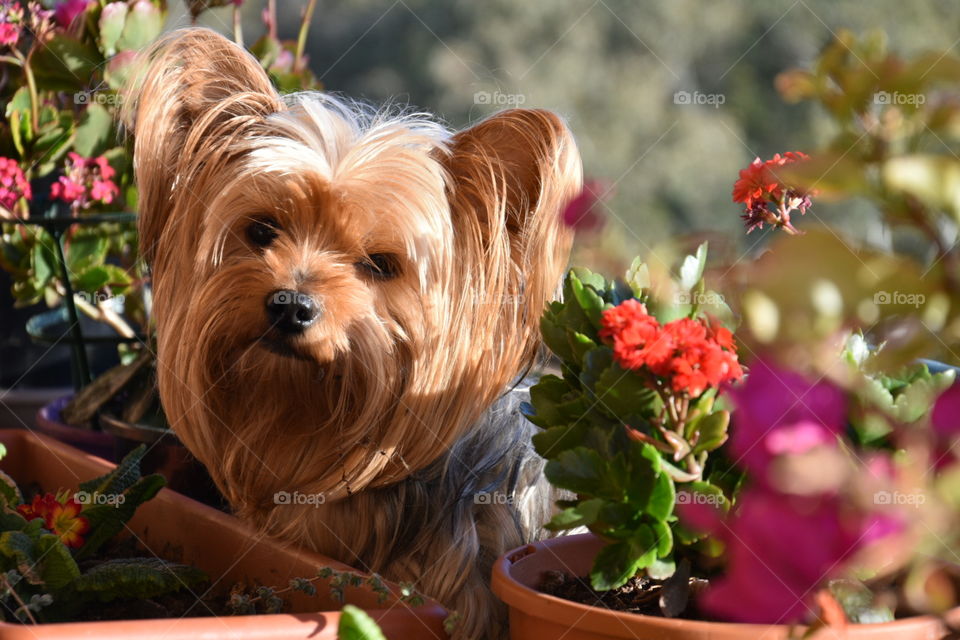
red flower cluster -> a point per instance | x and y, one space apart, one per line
61 518
687 354
13 184
766 198
87 182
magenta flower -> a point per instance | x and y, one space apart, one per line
946 414
780 549
13 184
11 22
87 182
780 412
67 11
581 212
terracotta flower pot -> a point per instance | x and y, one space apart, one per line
221 545
537 615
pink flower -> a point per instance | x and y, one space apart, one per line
780 412
13 184
11 22
87 182
780 549
581 212
67 11
946 413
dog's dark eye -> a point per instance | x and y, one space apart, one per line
262 231
380 265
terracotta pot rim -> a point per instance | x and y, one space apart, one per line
530 601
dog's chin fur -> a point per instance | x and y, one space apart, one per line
392 404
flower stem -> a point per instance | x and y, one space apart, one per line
32 88
302 36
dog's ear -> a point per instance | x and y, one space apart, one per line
194 90
512 174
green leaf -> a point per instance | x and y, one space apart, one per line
553 441
18 112
661 569
107 520
580 470
713 431
9 490
143 24
43 261
20 547
660 505
64 64
591 303
137 578
84 251
355 624
57 566
638 276
91 279
692 268
112 20
618 562
95 131
555 337
624 394
582 515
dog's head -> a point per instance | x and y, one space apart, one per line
338 292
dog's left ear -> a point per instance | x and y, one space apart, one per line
512 174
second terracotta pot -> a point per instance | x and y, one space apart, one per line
535 615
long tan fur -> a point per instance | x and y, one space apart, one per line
391 407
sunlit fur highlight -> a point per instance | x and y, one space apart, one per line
393 404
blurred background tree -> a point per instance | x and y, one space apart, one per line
613 67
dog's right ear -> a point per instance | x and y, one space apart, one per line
193 92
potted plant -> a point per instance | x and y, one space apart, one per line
798 478
59 583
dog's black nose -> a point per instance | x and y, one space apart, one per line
291 311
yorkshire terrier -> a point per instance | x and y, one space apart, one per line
345 300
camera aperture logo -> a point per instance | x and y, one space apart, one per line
95 498
499 98
296 498
697 97
695 497
492 498
899 498
916 300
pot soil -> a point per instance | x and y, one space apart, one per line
176 527
533 614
